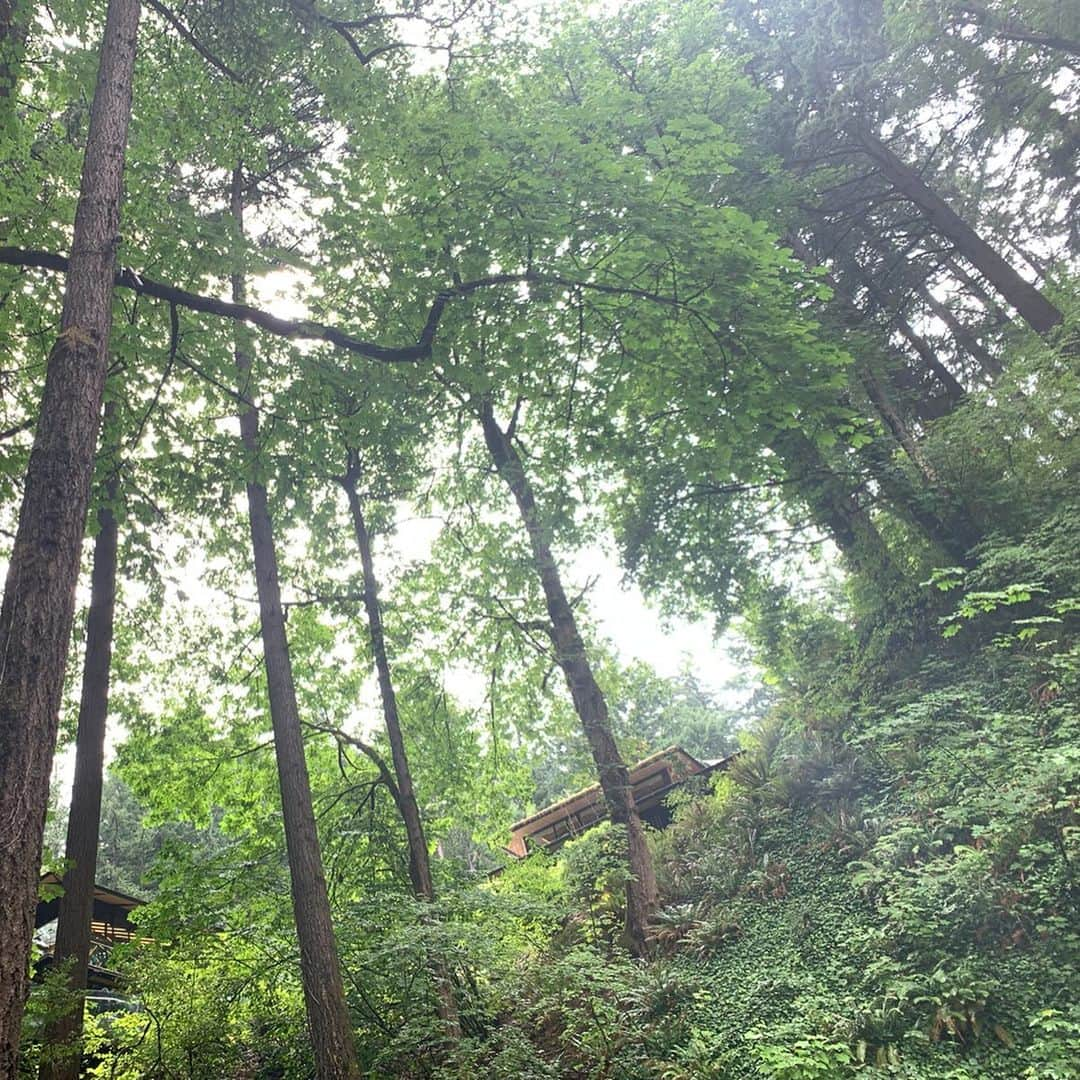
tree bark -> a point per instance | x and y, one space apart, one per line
39 595
13 30
62 1038
324 991
1041 315
419 859
588 698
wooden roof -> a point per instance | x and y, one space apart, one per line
653 779
109 914
109 926
102 895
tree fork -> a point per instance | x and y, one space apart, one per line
320 970
588 698
39 595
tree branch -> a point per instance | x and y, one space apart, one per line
304 329
1010 30
369 751
345 30
174 21
26 425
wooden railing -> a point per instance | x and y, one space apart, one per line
104 931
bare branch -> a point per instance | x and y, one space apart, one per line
369 751
174 21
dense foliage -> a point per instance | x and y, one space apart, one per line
774 301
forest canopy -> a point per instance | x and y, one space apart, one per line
341 339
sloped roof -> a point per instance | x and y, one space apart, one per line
693 766
653 779
102 893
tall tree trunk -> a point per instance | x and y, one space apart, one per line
853 319
588 698
989 364
836 509
931 506
895 423
419 860
954 389
912 278
13 29
950 530
324 991
944 523
62 1050
1033 307
974 285
39 595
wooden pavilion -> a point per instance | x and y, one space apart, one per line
654 778
109 926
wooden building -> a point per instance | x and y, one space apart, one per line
109 926
654 779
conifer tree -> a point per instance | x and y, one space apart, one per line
39 594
